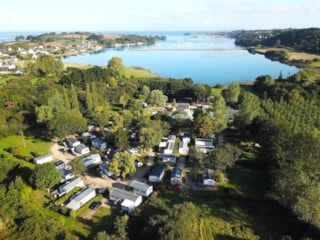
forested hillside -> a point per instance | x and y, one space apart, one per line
307 40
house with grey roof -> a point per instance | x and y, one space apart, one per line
141 188
70 185
129 201
81 198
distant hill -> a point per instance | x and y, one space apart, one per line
306 40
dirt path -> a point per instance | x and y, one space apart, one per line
57 152
109 183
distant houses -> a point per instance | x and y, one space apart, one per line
43 159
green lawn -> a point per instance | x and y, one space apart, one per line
137 72
25 145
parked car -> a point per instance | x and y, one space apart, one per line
95 205
176 187
114 177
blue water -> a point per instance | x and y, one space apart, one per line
203 64
183 56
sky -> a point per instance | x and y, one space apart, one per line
157 15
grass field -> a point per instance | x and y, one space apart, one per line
293 55
137 72
24 145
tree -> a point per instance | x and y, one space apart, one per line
116 68
45 176
204 126
47 65
145 92
225 157
231 94
44 114
120 225
249 107
220 114
74 98
199 92
102 236
63 124
122 164
78 166
122 139
181 223
156 98
151 133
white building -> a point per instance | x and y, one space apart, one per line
70 185
81 149
81 198
141 188
204 145
43 159
92 160
129 201
176 176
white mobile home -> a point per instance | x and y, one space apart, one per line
43 159
141 188
81 198
70 185
129 201
91 160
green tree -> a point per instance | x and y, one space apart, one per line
145 92
66 99
122 164
156 98
225 157
102 236
151 133
89 102
231 94
74 98
120 225
44 114
77 166
122 139
204 126
181 223
220 113
199 92
249 107
63 124
45 176
47 65
116 68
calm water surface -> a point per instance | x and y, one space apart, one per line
205 59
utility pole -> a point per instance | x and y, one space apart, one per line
24 143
